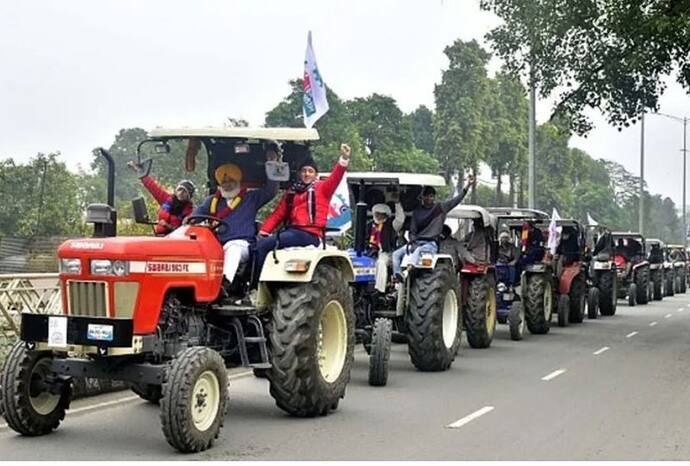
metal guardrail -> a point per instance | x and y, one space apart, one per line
25 292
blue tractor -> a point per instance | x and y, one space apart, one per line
524 293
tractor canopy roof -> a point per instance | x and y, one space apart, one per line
395 179
517 213
679 247
242 146
472 212
243 133
624 235
652 241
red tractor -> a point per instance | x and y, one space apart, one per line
151 311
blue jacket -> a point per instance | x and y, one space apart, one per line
241 222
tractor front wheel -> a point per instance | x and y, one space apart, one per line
480 312
516 321
538 303
380 351
563 310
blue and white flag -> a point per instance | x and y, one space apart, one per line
314 101
339 211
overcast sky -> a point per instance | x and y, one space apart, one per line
75 72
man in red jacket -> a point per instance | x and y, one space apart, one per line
174 207
304 207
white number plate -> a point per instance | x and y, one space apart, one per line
57 331
99 332
507 296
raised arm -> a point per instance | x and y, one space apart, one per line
159 194
330 184
267 192
399 219
448 205
204 208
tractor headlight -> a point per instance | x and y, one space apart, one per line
501 287
108 267
427 260
297 266
71 266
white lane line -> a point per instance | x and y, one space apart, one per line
553 375
667 316
681 309
599 351
470 417
631 334
104 404
688 305
652 324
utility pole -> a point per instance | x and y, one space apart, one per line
40 196
641 220
685 156
530 143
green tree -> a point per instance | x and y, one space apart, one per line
461 118
422 124
40 198
608 55
335 127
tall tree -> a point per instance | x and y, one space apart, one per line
608 55
422 123
460 108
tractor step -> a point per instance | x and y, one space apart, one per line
235 309
260 365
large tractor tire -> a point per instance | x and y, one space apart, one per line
434 319
380 351
642 282
29 408
683 283
312 344
516 321
563 310
480 312
593 303
657 277
149 392
632 293
194 399
538 303
608 294
577 298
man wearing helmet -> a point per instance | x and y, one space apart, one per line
236 207
174 207
383 235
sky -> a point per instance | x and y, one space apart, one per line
75 72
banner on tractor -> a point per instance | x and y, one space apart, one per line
339 211
314 101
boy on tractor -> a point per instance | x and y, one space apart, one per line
303 209
174 207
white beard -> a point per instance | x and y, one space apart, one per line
229 194
379 222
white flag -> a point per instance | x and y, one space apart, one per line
554 232
314 102
591 221
339 211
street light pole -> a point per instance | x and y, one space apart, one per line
530 145
641 219
685 156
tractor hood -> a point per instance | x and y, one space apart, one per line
187 243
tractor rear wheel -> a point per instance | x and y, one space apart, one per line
632 293
608 293
593 303
538 303
312 343
480 312
657 278
30 408
434 319
563 310
670 284
578 298
642 282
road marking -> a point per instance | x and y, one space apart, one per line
667 316
652 324
631 334
553 375
688 305
470 417
681 309
599 351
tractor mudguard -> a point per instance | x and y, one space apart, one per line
569 274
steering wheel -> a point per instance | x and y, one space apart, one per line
212 223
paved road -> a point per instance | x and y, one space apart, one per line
547 397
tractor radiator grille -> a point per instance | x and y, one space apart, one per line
88 299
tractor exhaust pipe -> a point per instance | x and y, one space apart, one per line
104 216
